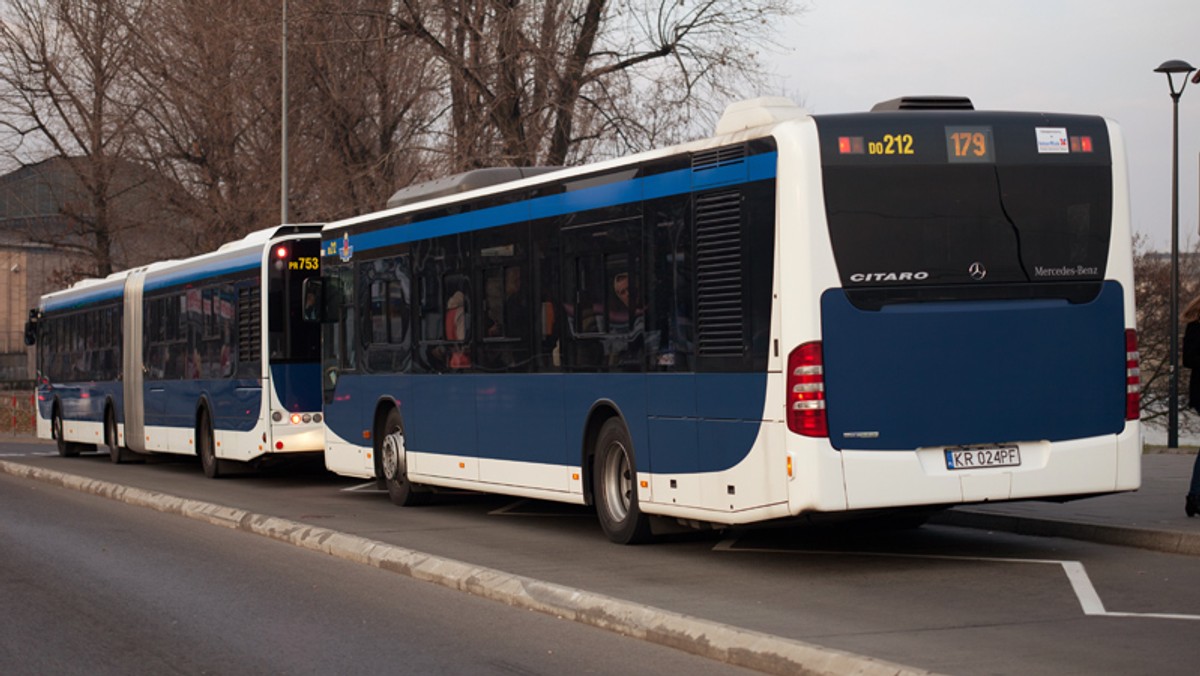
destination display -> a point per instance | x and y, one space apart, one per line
897 138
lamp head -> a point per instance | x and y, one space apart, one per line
1174 66
1171 68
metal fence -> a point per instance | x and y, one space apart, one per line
16 412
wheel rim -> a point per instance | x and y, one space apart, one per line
390 455
58 428
111 424
618 482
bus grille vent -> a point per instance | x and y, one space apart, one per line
719 325
249 328
719 157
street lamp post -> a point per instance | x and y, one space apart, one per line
283 114
1172 68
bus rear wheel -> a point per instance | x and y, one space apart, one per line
394 464
116 452
206 448
66 449
615 477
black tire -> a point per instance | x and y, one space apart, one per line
393 464
116 452
614 477
205 447
66 449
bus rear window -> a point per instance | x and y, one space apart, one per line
1010 219
955 224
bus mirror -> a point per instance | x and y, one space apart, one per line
31 328
312 289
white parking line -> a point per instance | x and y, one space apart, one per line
370 485
1077 575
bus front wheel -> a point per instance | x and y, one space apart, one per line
393 462
615 490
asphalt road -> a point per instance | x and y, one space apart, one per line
946 599
88 585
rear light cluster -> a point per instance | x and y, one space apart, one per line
806 391
1133 376
297 418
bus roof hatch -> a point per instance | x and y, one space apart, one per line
924 103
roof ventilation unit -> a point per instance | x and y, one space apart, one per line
924 103
464 182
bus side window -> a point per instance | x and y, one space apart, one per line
547 287
669 342
349 323
585 310
456 289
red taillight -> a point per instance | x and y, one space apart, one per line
806 391
1133 376
850 145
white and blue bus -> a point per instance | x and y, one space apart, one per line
207 356
921 305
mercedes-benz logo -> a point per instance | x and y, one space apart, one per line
977 271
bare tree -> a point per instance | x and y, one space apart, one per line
382 93
535 82
211 72
1152 272
366 105
64 68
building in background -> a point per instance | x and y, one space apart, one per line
43 245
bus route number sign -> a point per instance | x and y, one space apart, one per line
969 144
975 457
305 263
892 144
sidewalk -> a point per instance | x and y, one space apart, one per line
1150 518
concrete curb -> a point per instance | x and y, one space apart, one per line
740 647
1170 542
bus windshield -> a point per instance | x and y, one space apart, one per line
291 338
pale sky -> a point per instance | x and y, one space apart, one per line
1067 56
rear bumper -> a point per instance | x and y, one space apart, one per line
307 438
1103 464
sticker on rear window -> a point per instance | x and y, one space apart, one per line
1052 140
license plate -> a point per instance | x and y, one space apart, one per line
974 457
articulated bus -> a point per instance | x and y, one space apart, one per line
918 306
206 356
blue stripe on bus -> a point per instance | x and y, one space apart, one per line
83 298
81 401
236 404
679 423
214 268
755 168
